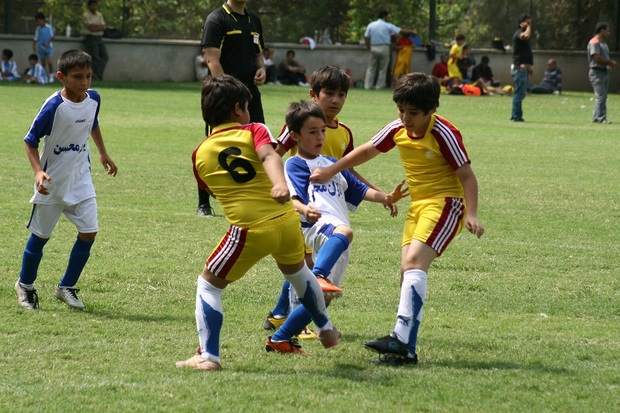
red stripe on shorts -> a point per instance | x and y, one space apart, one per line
227 252
447 226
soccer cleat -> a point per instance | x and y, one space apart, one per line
205 211
306 334
273 323
329 289
329 338
393 360
388 345
68 295
27 298
199 363
284 347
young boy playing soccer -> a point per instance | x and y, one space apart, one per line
323 209
63 180
444 198
238 165
330 86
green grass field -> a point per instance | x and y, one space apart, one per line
525 319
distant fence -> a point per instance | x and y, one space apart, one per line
173 60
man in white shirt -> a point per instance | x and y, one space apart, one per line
378 37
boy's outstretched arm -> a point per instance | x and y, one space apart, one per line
356 157
39 174
470 187
105 159
392 198
275 171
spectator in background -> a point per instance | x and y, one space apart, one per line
8 71
35 73
440 70
290 72
42 44
270 67
552 80
201 68
466 63
483 71
402 66
378 38
522 61
600 65
455 54
93 29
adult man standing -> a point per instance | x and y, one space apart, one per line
378 37
600 65
232 43
522 61
93 27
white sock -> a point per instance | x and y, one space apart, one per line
209 318
303 280
412 289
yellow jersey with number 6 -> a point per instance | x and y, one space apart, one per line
226 163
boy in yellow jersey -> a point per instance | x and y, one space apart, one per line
330 86
238 165
455 54
444 198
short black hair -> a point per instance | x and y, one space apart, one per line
523 18
484 59
91 2
33 57
330 77
419 90
8 53
600 26
40 16
219 96
288 52
299 112
460 37
383 13
73 58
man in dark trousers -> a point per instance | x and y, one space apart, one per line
522 61
232 43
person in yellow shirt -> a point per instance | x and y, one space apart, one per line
455 54
444 199
238 165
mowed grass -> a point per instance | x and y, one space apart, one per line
525 319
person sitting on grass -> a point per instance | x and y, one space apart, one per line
323 210
444 199
35 73
238 165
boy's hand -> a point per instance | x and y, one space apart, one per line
109 165
312 214
280 193
398 193
40 179
474 226
320 175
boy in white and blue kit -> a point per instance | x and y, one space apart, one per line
9 71
323 210
63 181
42 44
35 73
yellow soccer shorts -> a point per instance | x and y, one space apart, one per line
434 222
241 248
